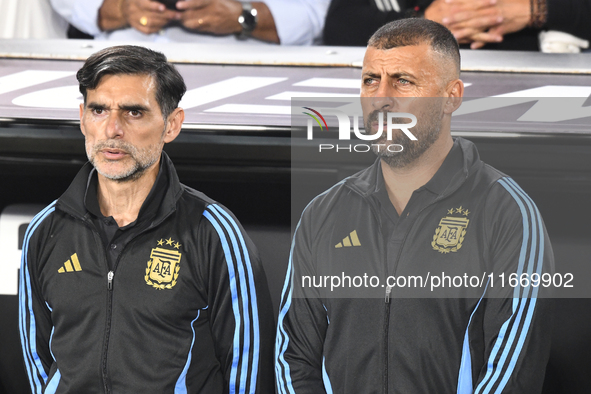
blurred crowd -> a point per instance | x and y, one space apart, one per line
534 25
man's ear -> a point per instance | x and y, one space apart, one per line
174 123
82 123
455 92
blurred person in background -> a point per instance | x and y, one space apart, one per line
30 19
518 22
493 24
286 22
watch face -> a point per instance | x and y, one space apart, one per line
248 19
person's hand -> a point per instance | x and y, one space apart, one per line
516 16
211 16
467 18
147 16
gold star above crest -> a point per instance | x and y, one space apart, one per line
177 245
160 243
466 212
450 211
459 210
169 241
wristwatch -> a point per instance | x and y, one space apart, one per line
248 20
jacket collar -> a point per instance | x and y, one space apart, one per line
157 205
459 163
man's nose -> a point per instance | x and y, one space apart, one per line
383 99
114 125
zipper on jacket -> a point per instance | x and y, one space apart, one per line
389 291
386 337
110 280
388 288
110 276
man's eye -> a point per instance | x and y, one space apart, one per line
135 113
403 81
368 81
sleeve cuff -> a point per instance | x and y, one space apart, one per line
85 16
298 22
559 14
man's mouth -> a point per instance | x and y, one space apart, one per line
376 125
113 154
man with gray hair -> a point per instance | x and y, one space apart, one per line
132 282
432 210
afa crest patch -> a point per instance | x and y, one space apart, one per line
451 231
164 265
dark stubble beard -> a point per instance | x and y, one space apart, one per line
427 131
143 159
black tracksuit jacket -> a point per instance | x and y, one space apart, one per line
184 308
468 219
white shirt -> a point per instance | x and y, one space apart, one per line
30 19
298 22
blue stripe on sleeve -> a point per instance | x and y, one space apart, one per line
502 332
523 305
210 213
53 383
245 301
254 303
284 384
523 302
235 306
181 383
29 341
325 378
33 381
283 379
465 376
51 336
534 290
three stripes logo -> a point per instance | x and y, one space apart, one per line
72 265
350 240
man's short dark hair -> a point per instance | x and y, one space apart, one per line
416 31
135 60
